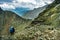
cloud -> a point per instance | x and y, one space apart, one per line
25 3
6 6
31 4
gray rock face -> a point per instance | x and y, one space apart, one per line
34 13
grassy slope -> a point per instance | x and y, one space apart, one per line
8 19
45 27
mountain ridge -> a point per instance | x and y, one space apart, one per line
34 13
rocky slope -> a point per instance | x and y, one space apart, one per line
34 13
45 27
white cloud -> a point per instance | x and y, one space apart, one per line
6 6
48 1
25 3
31 4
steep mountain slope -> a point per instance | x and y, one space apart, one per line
8 19
45 27
34 13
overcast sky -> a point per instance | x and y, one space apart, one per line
31 4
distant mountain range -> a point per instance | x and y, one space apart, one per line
20 11
28 14
34 13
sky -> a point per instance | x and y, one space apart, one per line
24 5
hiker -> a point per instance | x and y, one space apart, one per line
12 30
